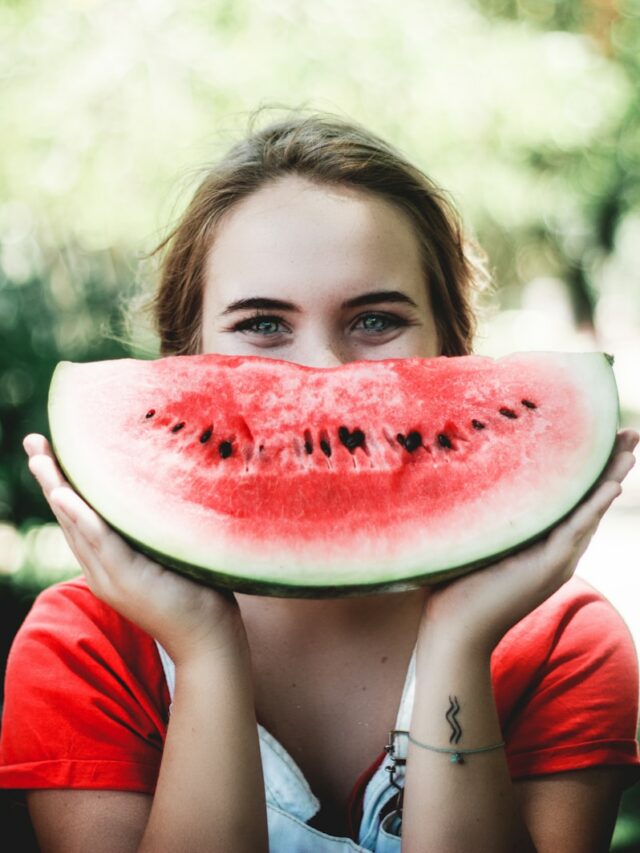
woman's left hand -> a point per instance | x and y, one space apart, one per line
481 607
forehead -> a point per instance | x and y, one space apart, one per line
295 234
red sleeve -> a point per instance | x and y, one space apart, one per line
86 703
566 684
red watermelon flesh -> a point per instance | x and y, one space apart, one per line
271 477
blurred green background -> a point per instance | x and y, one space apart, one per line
526 111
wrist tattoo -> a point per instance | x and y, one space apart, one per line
451 717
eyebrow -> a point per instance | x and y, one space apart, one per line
372 298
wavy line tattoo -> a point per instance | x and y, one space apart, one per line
456 731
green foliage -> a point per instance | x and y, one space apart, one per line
550 14
626 838
602 178
71 310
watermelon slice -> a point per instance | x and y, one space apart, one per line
269 477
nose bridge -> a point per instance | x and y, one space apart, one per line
325 357
324 353
322 349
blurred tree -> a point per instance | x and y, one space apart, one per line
603 178
69 311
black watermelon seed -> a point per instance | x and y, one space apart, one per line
150 413
225 449
400 438
177 427
308 443
206 435
528 404
325 447
413 441
444 440
477 424
508 413
351 440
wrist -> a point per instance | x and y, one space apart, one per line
460 627
203 672
454 641
226 640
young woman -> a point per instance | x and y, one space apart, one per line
145 712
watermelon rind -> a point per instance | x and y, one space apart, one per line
299 574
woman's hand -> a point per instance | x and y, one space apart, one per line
481 607
185 617
210 789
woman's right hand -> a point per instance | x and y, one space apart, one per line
184 616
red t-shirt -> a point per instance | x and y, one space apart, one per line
87 703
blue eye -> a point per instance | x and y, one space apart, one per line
372 322
257 324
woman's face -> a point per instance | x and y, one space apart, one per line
316 275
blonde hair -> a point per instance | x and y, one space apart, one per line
325 149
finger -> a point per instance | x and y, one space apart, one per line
113 569
88 522
111 550
627 439
35 443
87 551
47 473
595 507
626 442
619 467
74 517
569 540
82 551
585 519
64 500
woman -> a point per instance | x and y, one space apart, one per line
315 242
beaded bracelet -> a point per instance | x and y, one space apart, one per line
457 755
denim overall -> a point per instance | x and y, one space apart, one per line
291 802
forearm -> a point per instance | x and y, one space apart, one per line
210 792
451 806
